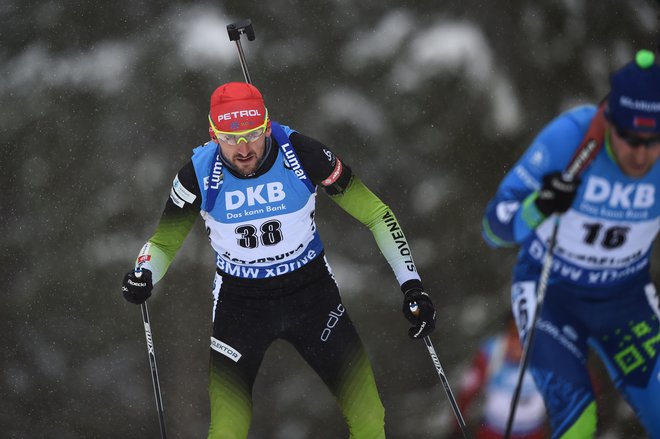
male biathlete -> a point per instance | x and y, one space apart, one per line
600 292
255 185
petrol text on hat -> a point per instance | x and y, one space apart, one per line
238 114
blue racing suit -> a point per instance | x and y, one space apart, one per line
600 293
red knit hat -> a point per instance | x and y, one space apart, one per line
236 107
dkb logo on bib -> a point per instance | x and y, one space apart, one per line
255 195
619 195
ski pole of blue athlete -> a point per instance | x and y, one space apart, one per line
583 157
154 370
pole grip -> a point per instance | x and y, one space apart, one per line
241 27
234 30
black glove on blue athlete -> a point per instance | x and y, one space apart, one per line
556 194
137 286
419 310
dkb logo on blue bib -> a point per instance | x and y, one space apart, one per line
255 195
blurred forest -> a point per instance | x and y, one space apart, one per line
430 102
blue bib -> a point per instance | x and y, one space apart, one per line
263 226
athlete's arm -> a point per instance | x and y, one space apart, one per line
345 188
511 215
367 208
178 217
321 165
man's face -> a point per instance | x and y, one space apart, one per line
245 156
635 160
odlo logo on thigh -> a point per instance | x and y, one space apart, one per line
333 319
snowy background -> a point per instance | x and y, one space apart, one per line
430 102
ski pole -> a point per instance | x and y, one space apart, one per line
235 30
441 373
154 371
585 153
445 385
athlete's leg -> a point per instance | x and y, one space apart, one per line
558 359
240 338
630 347
326 338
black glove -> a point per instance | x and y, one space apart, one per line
137 286
556 194
419 310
